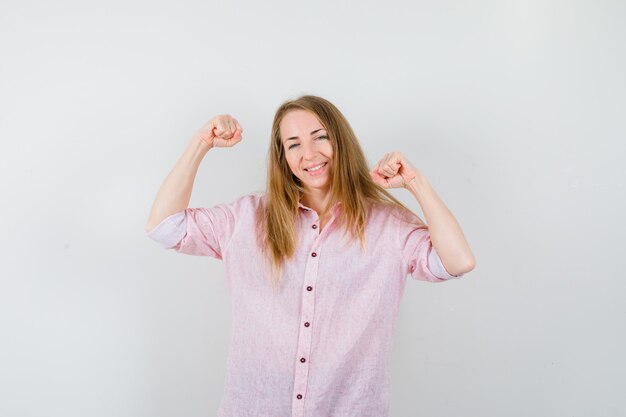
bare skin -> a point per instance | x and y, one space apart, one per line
223 131
306 145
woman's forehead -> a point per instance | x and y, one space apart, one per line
297 122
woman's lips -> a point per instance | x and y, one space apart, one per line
318 172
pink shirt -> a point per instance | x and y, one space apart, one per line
319 346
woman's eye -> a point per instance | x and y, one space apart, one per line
319 137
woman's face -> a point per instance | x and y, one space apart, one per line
307 146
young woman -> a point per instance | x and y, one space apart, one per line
316 265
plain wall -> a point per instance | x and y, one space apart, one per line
514 111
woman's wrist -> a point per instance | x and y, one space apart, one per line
198 143
417 182
197 149
193 155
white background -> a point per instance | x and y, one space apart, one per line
514 110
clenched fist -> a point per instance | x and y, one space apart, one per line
223 131
393 171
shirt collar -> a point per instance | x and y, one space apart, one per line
335 206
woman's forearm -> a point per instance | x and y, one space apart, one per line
445 233
175 192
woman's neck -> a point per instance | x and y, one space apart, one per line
315 199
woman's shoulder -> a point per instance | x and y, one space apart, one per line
390 211
384 208
253 197
244 203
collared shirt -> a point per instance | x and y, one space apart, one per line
320 344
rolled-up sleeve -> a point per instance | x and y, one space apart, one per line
436 266
170 231
419 255
198 231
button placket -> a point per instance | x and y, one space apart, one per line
307 312
305 336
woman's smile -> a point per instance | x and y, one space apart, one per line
317 170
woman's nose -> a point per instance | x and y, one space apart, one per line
308 151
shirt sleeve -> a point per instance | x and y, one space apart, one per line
199 231
420 259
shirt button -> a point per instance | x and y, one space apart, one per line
309 288
302 360
299 396
314 254
306 324
314 226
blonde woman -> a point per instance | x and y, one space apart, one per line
316 265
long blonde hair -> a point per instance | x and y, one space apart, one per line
350 184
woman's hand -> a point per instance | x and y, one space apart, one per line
223 131
393 171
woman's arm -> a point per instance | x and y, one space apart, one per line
175 192
223 131
395 171
445 233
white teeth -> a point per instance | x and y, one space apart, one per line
315 168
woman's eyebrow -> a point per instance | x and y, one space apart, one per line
296 137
